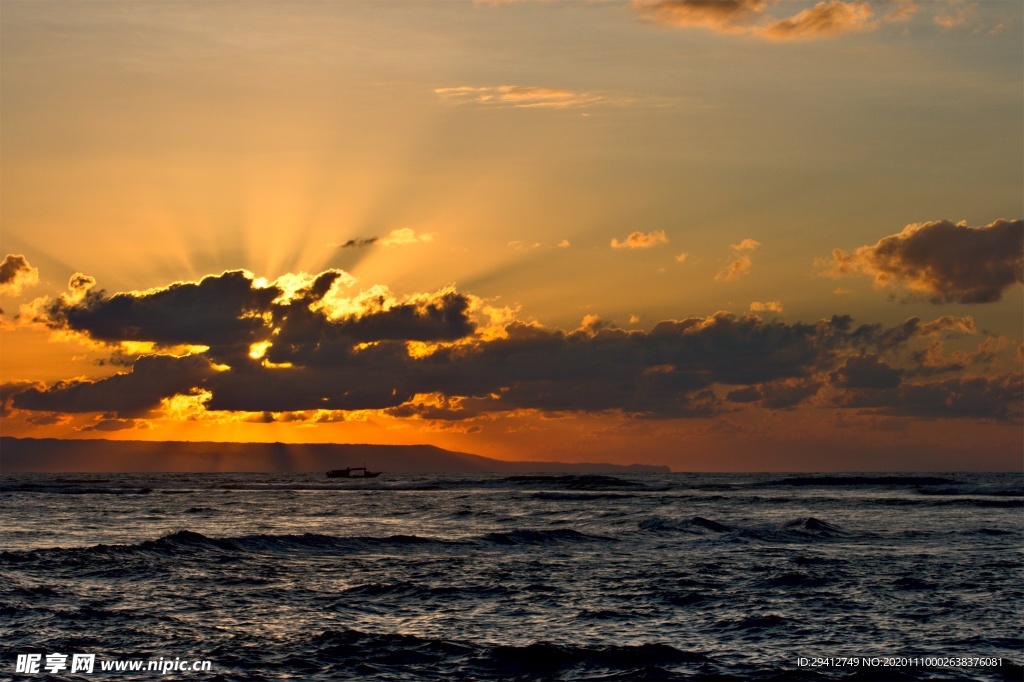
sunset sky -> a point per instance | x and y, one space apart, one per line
736 235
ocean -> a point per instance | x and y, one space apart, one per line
513 577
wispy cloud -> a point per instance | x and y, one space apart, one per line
741 260
748 17
641 240
405 236
356 243
723 16
766 307
400 237
526 97
822 20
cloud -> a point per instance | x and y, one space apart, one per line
681 258
748 17
766 307
666 372
724 16
741 261
114 424
946 323
933 360
356 243
822 20
883 339
998 398
902 10
942 261
957 14
865 371
135 393
641 240
223 311
48 418
519 246
303 317
405 236
309 343
9 389
564 244
784 394
523 97
16 275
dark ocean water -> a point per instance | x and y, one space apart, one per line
419 577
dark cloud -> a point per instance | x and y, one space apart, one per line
301 346
10 389
47 418
865 371
943 261
113 424
134 393
881 338
933 360
220 311
995 398
230 312
356 243
782 395
747 394
776 395
16 274
443 318
255 389
666 372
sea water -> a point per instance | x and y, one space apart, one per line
580 577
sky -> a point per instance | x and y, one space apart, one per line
736 235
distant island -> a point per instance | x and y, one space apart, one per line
52 455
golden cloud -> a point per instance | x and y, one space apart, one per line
641 240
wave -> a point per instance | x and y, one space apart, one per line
73 490
542 537
975 490
794 579
697 525
190 543
186 542
580 496
575 481
977 502
955 502
406 590
766 622
861 480
806 528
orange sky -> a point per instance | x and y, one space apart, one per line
762 236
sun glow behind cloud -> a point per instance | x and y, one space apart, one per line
597 161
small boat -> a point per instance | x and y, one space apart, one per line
353 472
